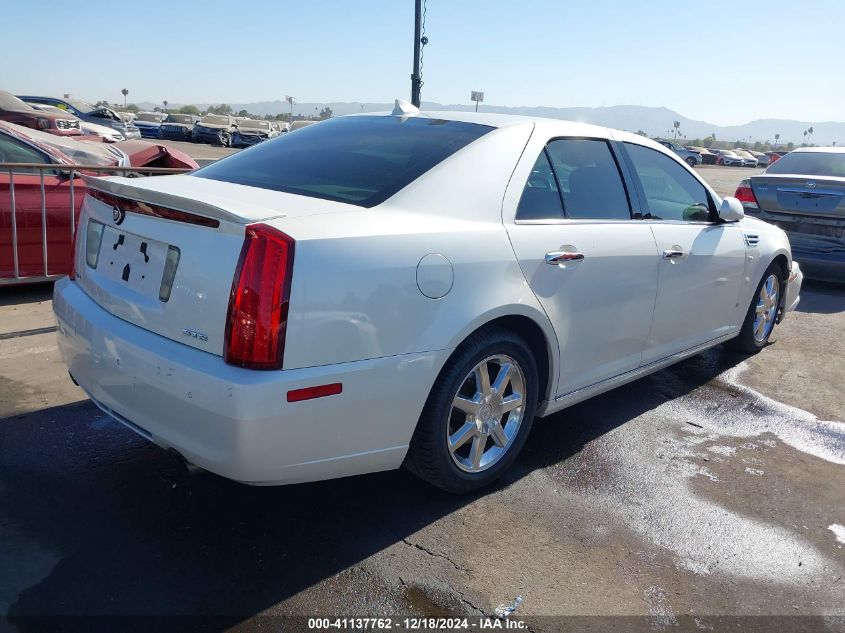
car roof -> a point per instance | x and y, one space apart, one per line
504 120
548 125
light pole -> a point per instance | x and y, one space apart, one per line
420 40
289 99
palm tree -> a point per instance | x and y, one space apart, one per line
777 138
805 137
809 132
124 92
165 105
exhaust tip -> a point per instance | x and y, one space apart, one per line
190 468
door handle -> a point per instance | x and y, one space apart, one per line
562 257
673 254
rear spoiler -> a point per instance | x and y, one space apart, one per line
122 188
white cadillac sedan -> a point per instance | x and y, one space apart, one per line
404 289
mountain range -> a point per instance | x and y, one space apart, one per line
654 121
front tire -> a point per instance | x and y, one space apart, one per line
478 414
762 313
691 161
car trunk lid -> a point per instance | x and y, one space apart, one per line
162 252
798 195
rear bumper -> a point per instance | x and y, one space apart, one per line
149 132
207 137
822 257
246 140
184 135
821 266
237 422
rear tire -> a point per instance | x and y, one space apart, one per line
471 428
762 314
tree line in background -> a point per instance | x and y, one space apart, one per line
710 142
224 109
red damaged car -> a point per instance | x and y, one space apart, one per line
33 261
13 110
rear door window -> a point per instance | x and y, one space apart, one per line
541 198
589 180
671 192
360 160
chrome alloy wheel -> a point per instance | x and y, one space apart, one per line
486 413
767 308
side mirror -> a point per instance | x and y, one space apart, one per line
731 210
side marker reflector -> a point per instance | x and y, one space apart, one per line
309 393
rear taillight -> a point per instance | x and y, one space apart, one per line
258 305
745 194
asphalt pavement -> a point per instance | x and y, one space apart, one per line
713 488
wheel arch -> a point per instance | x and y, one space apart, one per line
537 332
783 261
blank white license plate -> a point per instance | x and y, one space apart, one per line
137 262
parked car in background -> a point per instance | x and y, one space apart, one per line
178 126
101 132
730 158
252 132
149 124
87 112
748 159
214 128
707 157
13 110
366 270
692 159
298 125
803 193
23 145
762 159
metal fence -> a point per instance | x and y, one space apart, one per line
69 174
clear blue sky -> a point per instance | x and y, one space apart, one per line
723 62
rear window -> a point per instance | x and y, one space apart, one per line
810 164
360 160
